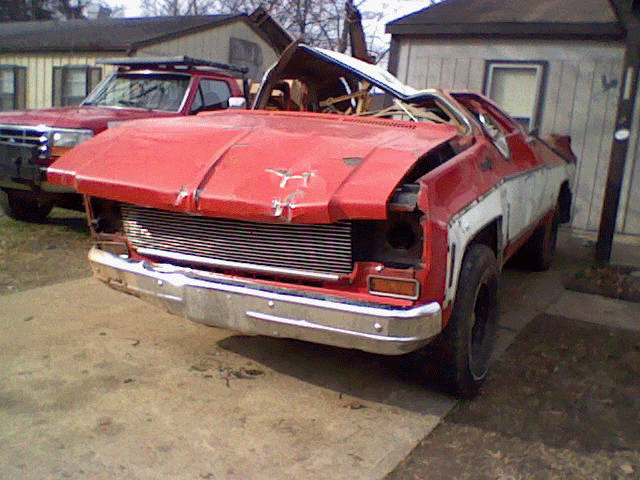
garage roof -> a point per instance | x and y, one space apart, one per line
595 19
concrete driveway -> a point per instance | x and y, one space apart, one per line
98 385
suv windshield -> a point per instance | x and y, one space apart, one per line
151 91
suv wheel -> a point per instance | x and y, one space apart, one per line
25 206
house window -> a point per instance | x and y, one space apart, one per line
71 84
518 88
12 87
246 54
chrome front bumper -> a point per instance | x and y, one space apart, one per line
256 309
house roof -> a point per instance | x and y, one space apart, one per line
119 34
596 19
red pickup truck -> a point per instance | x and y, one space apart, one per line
325 215
30 141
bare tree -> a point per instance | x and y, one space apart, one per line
161 8
321 22
24 10
71 9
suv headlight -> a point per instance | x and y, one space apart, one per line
63 140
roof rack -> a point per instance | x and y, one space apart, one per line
173 62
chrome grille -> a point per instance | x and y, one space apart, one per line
288 249
19 135
15 134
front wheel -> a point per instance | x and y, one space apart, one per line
466 344
25 206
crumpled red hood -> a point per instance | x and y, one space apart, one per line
252 165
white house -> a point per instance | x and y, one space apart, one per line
53 63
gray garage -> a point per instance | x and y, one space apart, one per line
554 64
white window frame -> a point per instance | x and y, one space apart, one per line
540 68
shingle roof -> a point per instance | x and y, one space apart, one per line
111 34
517 18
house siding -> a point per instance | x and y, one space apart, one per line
212 45
40 73
580 98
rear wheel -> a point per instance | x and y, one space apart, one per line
466 343
25 206
537 254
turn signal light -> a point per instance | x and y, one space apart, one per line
59 151
394 287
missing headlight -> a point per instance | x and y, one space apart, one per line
401 236
396 242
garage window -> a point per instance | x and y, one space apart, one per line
12 87
246 54
71 84
518 87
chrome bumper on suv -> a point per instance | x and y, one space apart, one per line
24 154
20 149
256 309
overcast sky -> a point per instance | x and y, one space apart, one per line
390 9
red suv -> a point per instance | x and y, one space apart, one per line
31 141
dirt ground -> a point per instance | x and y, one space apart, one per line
34 255
615 281
563 402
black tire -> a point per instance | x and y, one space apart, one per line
24 206
466 344
537 254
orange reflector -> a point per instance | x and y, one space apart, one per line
59 151
394 287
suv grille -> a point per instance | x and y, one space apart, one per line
18 135
320 251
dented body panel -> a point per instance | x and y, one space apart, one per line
258 165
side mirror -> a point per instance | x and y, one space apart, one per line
237 102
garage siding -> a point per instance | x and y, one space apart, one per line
579 99
629 217
212 45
